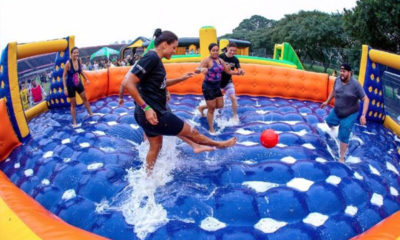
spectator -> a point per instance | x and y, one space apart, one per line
37 94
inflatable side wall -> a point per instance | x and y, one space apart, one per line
57 97
372 62
260 80
9 90
8 139
21 217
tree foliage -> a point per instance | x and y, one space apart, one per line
376 23
317 36
256 30
327 39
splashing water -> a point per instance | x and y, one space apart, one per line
138 204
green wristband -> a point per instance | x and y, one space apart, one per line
146 108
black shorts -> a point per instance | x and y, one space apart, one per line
168 124
212 93
72 88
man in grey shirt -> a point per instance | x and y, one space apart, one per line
347 92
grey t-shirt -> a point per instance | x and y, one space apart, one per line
347 97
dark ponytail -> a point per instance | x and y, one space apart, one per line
164 36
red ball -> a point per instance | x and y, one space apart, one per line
269 138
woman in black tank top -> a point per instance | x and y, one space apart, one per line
146 83
72 83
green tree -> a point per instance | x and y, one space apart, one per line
317 36
257 30
376 23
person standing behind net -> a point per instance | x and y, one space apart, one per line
147 84
347 93
72 83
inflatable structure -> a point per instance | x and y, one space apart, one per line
89 182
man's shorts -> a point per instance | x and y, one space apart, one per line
168 124
345 124
229 90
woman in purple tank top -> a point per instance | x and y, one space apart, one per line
212 67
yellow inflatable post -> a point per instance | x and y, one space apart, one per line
208 35
14 89
223 43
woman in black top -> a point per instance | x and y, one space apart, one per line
147 83
72 83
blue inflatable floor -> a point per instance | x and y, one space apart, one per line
93 176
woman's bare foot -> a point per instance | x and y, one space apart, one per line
202 148
341 160
201 110
228 143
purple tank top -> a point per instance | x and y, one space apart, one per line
214 73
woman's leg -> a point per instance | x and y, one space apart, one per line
197 148
234 107
211 105
154 150
86 103
192 134
201 109
219 102
342 151
73 111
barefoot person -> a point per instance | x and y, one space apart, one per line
72 83
197 148
347 92
147 83
212 67
226 79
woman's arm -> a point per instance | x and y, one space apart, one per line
130 84
171 82
122 89
85 77
203 68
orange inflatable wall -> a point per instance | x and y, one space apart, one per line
27 219
116 75
330 87
387 229
98 85
259 80
8 139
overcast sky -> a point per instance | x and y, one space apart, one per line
104 22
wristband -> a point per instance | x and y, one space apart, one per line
143 106
146 108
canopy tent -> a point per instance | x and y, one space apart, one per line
104 52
